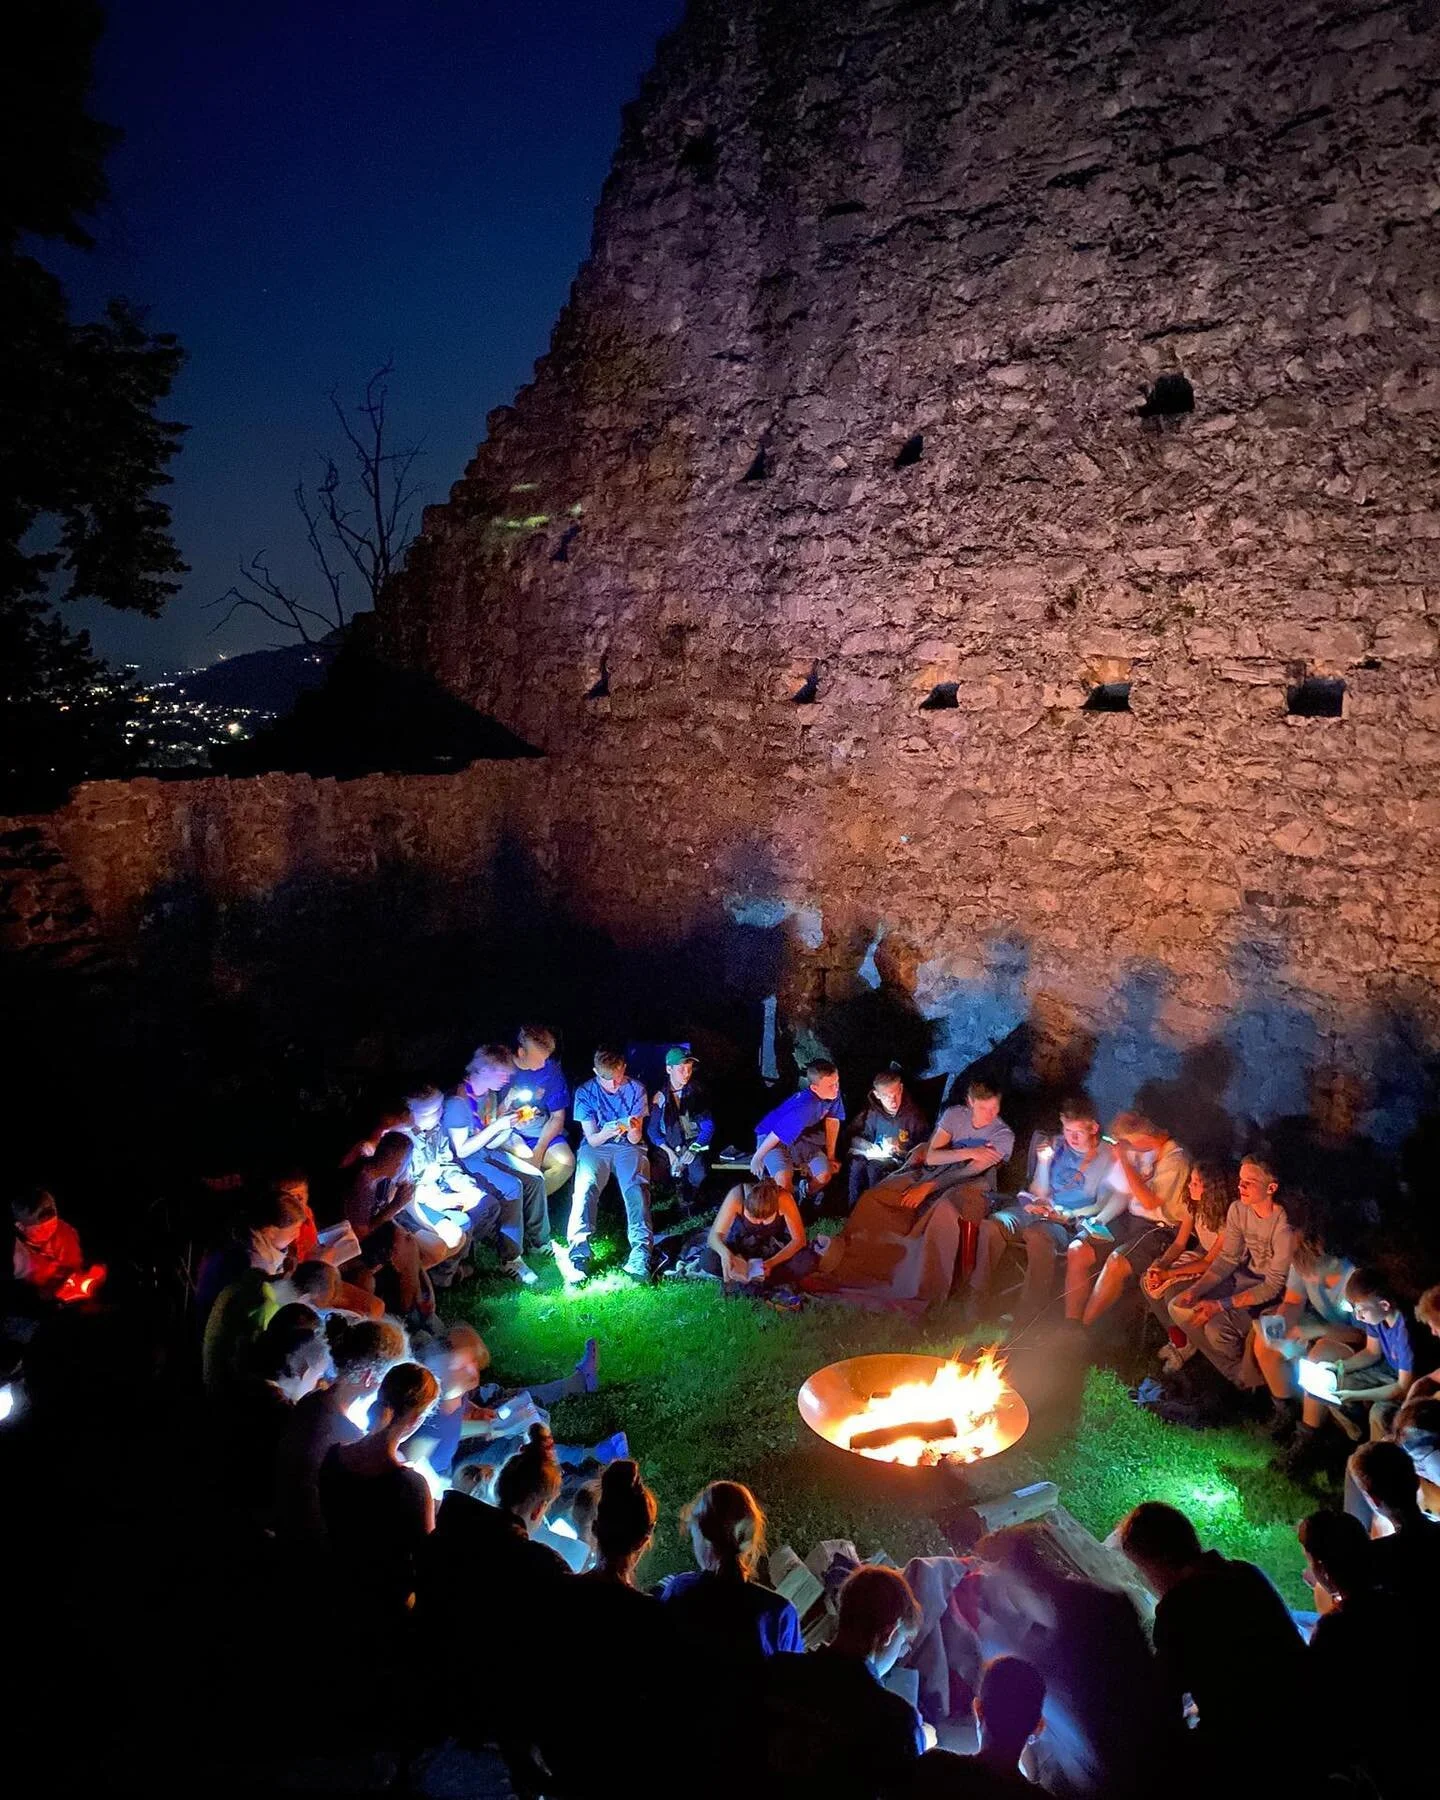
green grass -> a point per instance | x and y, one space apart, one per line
706 1387
1224 1479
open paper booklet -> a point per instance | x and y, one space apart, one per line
518 1414
1318 1379
338 1245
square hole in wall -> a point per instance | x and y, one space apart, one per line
1108 697
1316 697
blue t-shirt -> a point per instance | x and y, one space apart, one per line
798 1116
547 1088
734 1619
1394 1342
442 1430
1073 1182
594 1103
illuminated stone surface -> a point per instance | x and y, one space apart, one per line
990 244
1147 296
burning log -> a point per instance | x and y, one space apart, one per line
883 1436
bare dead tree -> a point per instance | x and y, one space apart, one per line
357 532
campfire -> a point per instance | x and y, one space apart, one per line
919 1411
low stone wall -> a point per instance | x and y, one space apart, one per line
99 873
214 928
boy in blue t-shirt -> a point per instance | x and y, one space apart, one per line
540 1096
1371 1382
802 1135
610 1111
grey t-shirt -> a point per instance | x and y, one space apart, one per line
964 1134
1258 1251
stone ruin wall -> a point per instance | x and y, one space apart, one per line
89 882
686 564
830 228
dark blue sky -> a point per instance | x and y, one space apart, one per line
306 187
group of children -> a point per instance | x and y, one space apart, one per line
354 1434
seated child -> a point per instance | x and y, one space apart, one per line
1368 1383
1312 1307
885 1133
1070 1189
245 1310
758 1239
679 1123
1189 1254
798 1140
1009 1716
461 1427
831 1728
610 1111
47 1257
728 1617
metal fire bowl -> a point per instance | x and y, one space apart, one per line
834 1393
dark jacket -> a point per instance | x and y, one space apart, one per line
681 1119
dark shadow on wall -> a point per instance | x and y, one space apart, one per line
866 1015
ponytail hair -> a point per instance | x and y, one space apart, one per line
531 1477
625 1515
730 1520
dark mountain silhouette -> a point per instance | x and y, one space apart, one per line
263 680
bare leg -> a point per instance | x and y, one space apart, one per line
1278 1371
1079 1269
432 1247
1110 1286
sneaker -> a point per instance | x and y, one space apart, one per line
546 1247
640 1270
1173 1359
588 1367
574 1271
1284 1420
521 1272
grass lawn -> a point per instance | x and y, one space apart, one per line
705 1387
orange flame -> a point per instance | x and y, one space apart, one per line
968 1394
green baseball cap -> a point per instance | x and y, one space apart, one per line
682 1053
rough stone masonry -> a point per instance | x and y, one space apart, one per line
981 499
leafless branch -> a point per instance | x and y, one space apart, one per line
365 537
262 593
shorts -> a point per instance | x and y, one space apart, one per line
1141 1241
1376 1375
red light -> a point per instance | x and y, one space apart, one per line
81 1286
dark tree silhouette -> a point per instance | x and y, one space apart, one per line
82 452
357 530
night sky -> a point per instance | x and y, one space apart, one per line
305 188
